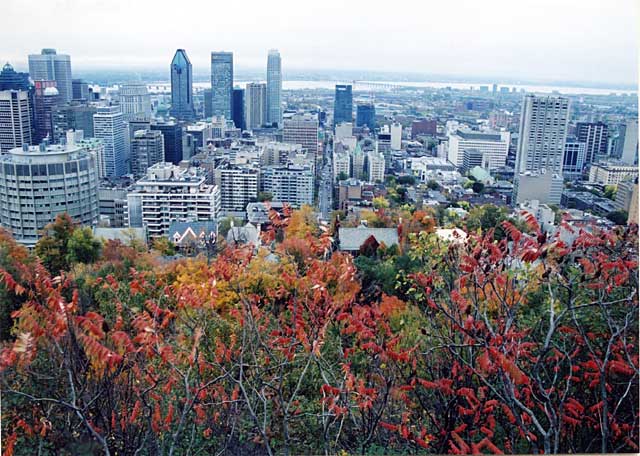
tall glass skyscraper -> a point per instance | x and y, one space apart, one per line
50 66
222 84
366 115
343 104
274 88
238 108
181 87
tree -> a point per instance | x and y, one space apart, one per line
477 187
164 246
618 217
433 185
265 196
82 247
380 202
342 176
51 248
610 191
406 180
225 224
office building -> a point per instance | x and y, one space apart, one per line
573 162
292 184
612 173
135 101
39 182
302 129
595 135
222 84
625 194
630 145
494 145
238 187
109 126
201 133
274 88
15 119
182 87
10 79
147 149
255 105
423 127
112 205
207 97
343 131
396 136
383 145
541 141
341 166
80 90
366 116
358 162
172 134
46 101
50 66
73 116
169 193
343 104
238 109
375 167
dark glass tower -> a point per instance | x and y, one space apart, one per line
172 134
366 115
343 105
181 87
238 108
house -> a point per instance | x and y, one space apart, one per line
194 235
248 234
351 239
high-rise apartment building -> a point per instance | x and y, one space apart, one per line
50 66
15 119
169 193
274 88
39 182
238 109
375 166
343 104
595 135
182 87
135 101
222 84
542 136
366 115
396 136
172 134
255 105
292 184
147 149
341 165
302 129
238 187
109 126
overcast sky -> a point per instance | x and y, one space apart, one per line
578 40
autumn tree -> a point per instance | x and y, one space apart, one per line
51 248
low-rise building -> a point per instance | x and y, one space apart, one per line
612 173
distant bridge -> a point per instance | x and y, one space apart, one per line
370 85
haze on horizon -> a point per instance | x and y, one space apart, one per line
573 40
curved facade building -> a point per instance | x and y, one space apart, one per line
39 182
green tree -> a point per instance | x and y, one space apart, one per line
265 196
164 246
433 185
618 217
52 246
82 247
407 180
225 224
342 176
610 191
477 187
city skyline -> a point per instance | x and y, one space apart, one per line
496 40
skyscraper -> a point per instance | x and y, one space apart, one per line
238 108
222 84
46 101
255 105
366 115
181 87
207 96
50 66
274 88
80 89
109 126
302 129
630 145
15 127
10 79
596 137
135 101
73 116
343 104
539 155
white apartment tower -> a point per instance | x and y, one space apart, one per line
238 187
109 126
255 105
15 119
